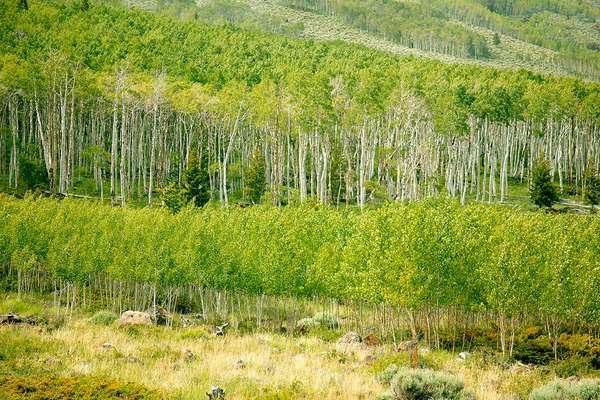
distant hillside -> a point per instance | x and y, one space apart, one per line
551 36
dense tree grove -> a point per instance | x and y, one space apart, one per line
126 99
435 25
432 253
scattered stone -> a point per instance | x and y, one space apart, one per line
107 345
572 379
372 340
424 350
370 359
133 360
135 318
220 330
216 393
188 355
350 338
240 364
408 345
463 355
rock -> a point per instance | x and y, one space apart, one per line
107 345
424 350
133 360
188 355
216 393
350 338
463 355
220 330
408 345
240 364
370 359
372 340
572 379
135 318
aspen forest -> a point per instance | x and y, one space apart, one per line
299 199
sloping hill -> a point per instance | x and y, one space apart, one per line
551 37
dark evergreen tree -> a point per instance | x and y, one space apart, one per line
32 170
85 5
592 187
496 39
542 192
23 5
195 182
255 178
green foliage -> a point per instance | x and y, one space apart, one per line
255 177
104 318
22 5
38 387
326 320
496 40
173 198
32 170
320 320
195 183
427 253
592 187
543 192
424 384
388 374
586 389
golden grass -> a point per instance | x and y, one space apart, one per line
275 366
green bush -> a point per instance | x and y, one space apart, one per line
588 389
388 374
104 318
326 320
425 384
573 366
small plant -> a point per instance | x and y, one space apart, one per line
388 374
326 321
587 389
425 384
104 318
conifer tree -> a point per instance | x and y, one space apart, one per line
592 187
195 183
542 192
255 177
23 5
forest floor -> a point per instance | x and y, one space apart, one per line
78 354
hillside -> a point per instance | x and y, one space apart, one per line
106 100
556 37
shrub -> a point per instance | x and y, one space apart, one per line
425 384
571 366
326 321
588 389
104 318
388 374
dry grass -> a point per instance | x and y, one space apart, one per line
275 366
